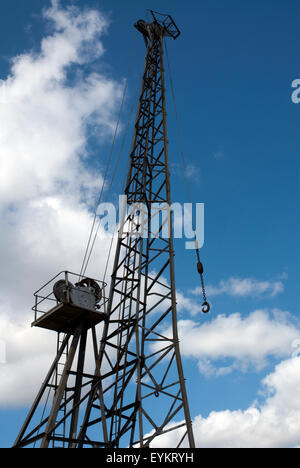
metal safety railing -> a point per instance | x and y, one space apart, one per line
45 299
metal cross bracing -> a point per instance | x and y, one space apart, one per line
55 416
143 384
137 392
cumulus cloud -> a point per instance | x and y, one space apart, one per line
46 192
44 120
28 354
273 424
188 304
47 186
243 287
239 342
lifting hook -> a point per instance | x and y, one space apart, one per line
200 268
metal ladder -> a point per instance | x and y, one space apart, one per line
58 373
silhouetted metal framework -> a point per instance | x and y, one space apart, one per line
138 391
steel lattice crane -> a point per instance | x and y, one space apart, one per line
137 392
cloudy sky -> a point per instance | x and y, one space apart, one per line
63 67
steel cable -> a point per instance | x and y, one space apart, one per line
111 184
87 255
205 305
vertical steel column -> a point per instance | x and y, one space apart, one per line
61 389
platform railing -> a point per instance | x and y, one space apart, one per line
45 299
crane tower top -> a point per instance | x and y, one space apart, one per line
162 25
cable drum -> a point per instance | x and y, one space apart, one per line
60 290
92 286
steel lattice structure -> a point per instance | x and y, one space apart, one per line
137 392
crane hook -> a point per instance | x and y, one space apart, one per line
200 268
205 307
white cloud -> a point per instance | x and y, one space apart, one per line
46 184
242 287
273 424
241 342
44 120
29 353
185 303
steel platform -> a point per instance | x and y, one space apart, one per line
64 318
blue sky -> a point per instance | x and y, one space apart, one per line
232 69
